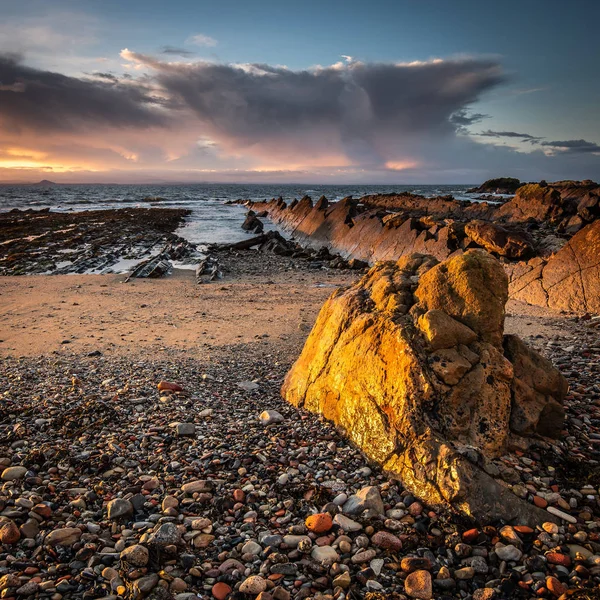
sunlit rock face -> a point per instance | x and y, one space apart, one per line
412 363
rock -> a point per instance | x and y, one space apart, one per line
136 556
186 429
538 392
471 288
508 553
367 498
419 585
13 473
63 537
388 541
253 223
221 590
346 523
251 547
442 331
9 533
270 417
119 508
423 401
166 386
343 580
253 585
499 240
568 280
499 185
199 486
166 535
324 554
144 585
319 523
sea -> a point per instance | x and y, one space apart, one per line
210 221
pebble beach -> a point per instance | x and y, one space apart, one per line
140 467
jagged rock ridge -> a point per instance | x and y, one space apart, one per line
541 235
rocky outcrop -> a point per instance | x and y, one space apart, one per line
499 240
411 362
500 185
529 233
569 280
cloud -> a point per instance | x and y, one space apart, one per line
51 102
177 51
351 121
462 118
510 134
354 109
202 40
574 146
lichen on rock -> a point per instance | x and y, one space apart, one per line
412 363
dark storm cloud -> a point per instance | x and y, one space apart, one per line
356 100
177 51
574 146
50 101
510 134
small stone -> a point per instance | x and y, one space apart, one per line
343 580
270 417
136 556
253 585
319 523
366 498
346 523
562 515
166 386
324 554
221 590
145 585
63 537
251 547
186 429
119 508
508 553
465 573
166 535
199 486
9 533
13 473
419 585
555 586
30 588
413 563
387 541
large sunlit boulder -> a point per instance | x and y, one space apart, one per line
411 363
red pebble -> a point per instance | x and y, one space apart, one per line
471 535
386 540
555 586
556 558
238 495
221 590
168 386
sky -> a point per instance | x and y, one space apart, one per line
328 91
